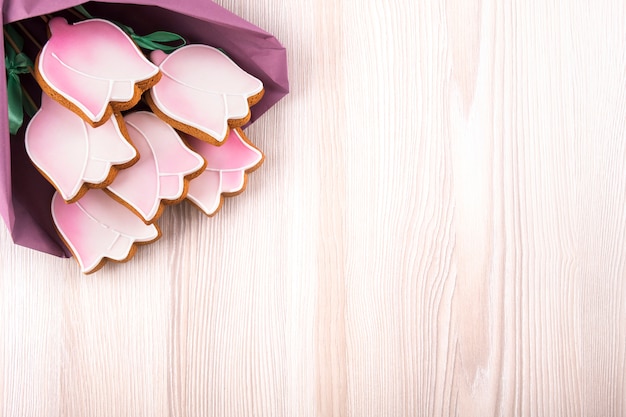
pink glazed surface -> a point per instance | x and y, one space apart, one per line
226 169
82 63
98 227
70 152
202 88
160 174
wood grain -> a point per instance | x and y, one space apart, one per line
439 229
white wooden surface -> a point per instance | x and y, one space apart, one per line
438 229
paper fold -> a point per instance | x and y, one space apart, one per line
24 194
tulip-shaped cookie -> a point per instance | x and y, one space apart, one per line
202 92
73 155
93 68
162 173
225 173
98 227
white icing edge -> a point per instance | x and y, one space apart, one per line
239 186
244 169
81 181
94 118
201 204
199 46
148 217
77 186
109 164
219 136
88 268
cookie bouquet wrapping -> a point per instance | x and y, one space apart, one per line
112 121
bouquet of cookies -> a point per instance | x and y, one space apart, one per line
126 125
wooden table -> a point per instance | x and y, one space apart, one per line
439 229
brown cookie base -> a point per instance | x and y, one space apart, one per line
245 176
197 133
131 253
162 203
112 107
112 172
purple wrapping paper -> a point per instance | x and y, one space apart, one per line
24 194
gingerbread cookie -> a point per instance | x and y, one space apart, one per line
202 92
73 155
162 174
225 173
93 68
98 228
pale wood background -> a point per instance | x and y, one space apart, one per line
439 229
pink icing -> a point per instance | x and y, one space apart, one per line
98 227
202 88
70 152
161 170
83 63
225 171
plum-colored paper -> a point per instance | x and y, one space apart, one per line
25 195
